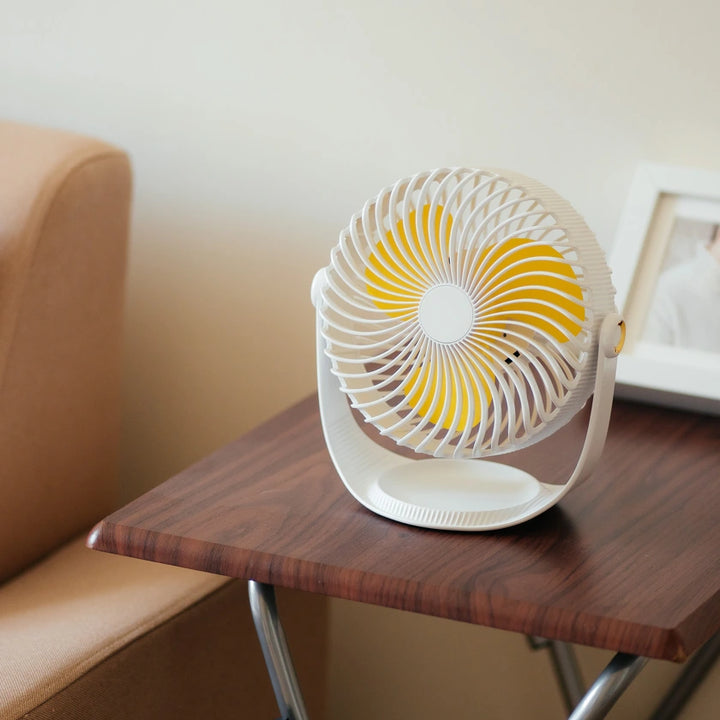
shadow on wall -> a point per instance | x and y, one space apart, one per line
219 333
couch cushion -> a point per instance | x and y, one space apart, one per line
77 607
204 662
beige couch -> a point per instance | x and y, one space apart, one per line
83 634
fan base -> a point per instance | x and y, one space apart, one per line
453 494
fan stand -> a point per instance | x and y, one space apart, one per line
451 494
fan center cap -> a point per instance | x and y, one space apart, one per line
446 313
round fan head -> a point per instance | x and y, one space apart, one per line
460 312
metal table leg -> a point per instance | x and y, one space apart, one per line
593 705
276 652
608 688
567 672
566 668
692 675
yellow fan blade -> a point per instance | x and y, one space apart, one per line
394 282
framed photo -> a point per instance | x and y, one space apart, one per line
666 269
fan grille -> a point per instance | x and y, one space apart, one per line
460 309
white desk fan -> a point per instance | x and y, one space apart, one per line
465 313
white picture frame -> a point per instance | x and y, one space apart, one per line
666 207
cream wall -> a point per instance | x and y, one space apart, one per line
256 129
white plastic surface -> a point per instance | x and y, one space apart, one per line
455 485
447 494
424 324
446 313
428 325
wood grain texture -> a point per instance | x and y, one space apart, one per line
629 560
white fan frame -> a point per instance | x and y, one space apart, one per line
449 494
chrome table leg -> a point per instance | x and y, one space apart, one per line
593 705
276 652
608 688
566 669
692 675
567 672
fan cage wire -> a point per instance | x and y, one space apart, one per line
528 377
504 422
507 389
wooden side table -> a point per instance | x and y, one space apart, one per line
628 561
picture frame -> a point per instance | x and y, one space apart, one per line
663 262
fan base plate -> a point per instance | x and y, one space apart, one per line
453 494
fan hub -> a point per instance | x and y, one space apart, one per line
446 313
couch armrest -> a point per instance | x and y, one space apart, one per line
64 207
